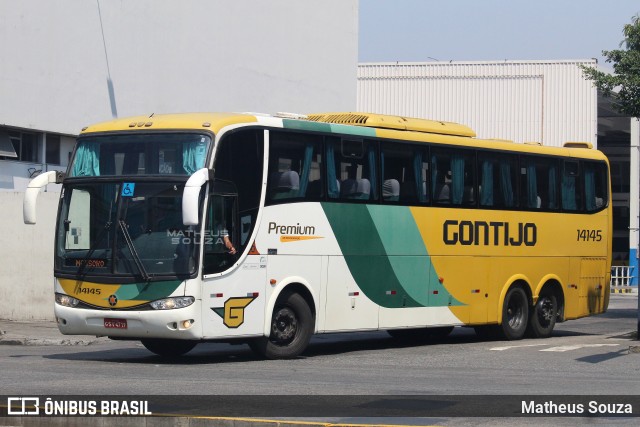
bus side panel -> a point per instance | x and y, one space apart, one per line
587 287
347 306
233 304
286 271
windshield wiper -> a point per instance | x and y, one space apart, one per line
132 249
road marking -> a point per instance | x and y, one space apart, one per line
509 347
563 348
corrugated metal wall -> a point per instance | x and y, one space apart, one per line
544 101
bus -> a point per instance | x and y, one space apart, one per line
267 229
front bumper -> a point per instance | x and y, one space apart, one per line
140 324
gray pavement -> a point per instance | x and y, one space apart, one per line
45 333
40 332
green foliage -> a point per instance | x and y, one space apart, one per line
626 67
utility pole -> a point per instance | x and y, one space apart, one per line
634 208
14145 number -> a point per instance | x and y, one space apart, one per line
589 235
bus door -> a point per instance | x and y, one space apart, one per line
232 295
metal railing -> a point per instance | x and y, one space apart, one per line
621 277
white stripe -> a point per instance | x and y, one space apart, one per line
563 348
270 121
508 347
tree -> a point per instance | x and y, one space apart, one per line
625 81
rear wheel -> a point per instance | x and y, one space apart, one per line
515 314
543 316
291 329
168 348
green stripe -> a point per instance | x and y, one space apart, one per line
384 251
147 291
327 127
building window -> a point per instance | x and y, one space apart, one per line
25 145
52 155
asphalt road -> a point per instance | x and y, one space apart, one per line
588 356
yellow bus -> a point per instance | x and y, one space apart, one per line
178 229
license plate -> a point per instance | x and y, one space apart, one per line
115 323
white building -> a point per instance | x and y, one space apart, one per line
544 101
69 63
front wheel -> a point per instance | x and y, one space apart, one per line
515 314
291 329
168 347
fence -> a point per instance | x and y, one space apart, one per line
621 277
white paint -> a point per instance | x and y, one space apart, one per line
564 348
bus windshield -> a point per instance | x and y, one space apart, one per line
140 154
128 230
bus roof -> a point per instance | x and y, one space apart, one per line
394 122
206 121
353 123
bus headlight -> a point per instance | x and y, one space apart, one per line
171 303
66 300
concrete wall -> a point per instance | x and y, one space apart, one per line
26 279
69 63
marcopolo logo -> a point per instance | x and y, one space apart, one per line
467 233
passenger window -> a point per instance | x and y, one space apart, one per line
595 186
453 177
539 183
498 180
294 167
405 173
351 169
571 189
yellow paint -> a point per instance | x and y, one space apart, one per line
479 275
206 121
234 311
285 239
96 294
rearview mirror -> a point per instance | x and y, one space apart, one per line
191 196
33 189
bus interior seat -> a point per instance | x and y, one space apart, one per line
391 190
442 193
599 202
284 185
355 189
468 196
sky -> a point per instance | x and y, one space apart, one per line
488 30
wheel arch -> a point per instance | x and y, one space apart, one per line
293 284
518 280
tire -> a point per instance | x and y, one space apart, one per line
542 318
292 325
515 314
167 347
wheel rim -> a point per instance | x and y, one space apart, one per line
284 326
515 313
545 311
